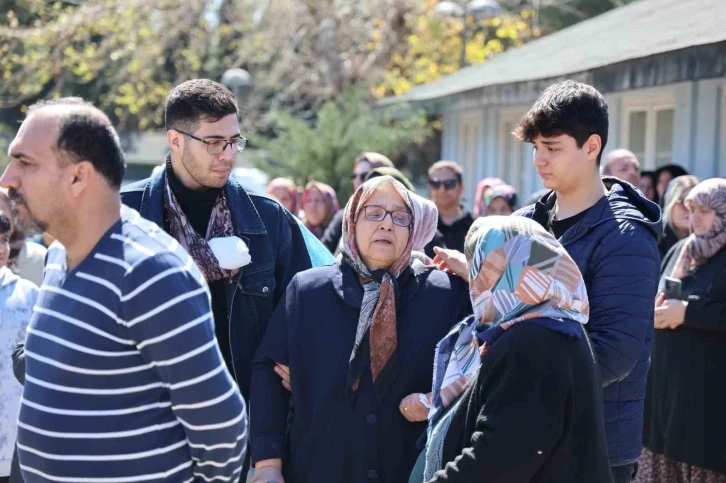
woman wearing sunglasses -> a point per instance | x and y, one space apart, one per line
357 337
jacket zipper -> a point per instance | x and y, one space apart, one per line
229 327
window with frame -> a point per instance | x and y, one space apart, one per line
648 132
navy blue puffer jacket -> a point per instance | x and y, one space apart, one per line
614 246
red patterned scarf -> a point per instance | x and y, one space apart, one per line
220 225
377 320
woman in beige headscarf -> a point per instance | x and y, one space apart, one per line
685 419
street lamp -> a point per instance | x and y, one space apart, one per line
239 81
479 9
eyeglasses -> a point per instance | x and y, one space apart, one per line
378 213
448 184
362 176
218 146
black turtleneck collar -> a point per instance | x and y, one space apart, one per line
196 205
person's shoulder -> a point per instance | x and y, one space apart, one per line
317 277
135 187
35 251
526 211
145 242
432 277
614 233
546 349
19 288
25 290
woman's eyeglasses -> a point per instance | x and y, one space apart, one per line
448 184
398 217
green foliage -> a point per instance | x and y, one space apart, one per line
122 56
325 149
433 48
6 137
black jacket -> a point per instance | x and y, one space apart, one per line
313 331
455 233
533 414
685 418
666 242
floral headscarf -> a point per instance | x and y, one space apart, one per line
480 208
504 191
427 214
331 205
698 249
376 338
518 272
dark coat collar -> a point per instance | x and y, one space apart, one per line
348 287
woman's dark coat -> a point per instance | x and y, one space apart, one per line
686 399
533 414
313 331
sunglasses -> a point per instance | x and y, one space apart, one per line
362 176
448 184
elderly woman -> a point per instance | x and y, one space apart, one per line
284 190
685 420
675 215
516 393
357 337
320 204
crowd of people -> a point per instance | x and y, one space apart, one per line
183 329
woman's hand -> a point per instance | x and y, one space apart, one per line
414 409
451 261
268 471
670 313
284 372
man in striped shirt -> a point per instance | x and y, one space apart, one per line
124 379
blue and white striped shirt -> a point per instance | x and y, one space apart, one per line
124 378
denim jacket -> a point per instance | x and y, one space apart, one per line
278 250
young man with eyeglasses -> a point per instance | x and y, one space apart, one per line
446 188
247 246
363 164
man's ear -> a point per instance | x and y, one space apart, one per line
593 146
81 174
176 140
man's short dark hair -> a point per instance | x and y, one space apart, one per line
568 107
195 101
5 224
85 133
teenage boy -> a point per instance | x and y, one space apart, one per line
610 230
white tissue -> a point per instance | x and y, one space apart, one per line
231 252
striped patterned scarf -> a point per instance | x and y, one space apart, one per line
517 272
